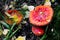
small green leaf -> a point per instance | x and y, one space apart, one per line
0 27
2 16
13 26
44 37
5 24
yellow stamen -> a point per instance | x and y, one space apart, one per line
15 18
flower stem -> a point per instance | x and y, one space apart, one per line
7 37
14 32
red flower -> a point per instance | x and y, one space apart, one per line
41 15
37 31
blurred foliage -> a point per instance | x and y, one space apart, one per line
49 34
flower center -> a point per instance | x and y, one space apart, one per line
40 13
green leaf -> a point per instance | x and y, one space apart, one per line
23 12
5 24
11 29
13 26
44 37
7 37
2 16
0 27
14 32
